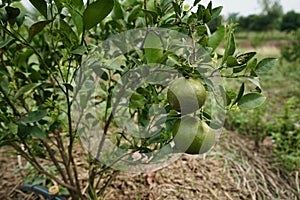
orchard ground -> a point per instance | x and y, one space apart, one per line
241 166
235 169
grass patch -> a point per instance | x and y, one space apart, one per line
278 118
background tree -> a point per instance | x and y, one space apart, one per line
290 21
273 12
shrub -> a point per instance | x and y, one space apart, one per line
66 72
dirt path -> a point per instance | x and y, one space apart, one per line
233 170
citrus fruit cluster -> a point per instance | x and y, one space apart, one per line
191 134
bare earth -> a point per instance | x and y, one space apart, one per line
232 170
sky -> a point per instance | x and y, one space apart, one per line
247 7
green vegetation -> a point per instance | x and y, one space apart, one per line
59 62
290 50
279 117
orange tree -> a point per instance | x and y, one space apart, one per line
99 71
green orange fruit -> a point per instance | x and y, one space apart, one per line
193 136
186 95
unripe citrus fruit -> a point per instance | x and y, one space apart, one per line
186 95
193 136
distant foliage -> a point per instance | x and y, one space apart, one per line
290 21
286 135
290 51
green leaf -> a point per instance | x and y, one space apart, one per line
59 5
35 116
255 81
134 13
209 5
24 131
177 8
216 38
36 132
231 45
96 12
6 42
206 16
68 32
231 61
38 181
252 64
12 13
240 94
79 50
41 6
27 89
265 65
78 21
22 57
200 12
137 101
152 16
118 12
216 12
77 4
251 101
69 86
153 48
37 28
239 69
244 58
196 2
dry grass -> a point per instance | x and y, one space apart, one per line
233 170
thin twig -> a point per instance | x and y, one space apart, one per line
39 168
55 161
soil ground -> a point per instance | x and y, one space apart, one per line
234 169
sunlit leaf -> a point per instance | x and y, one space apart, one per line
137 101
252 64
265 65
216 38
251 101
